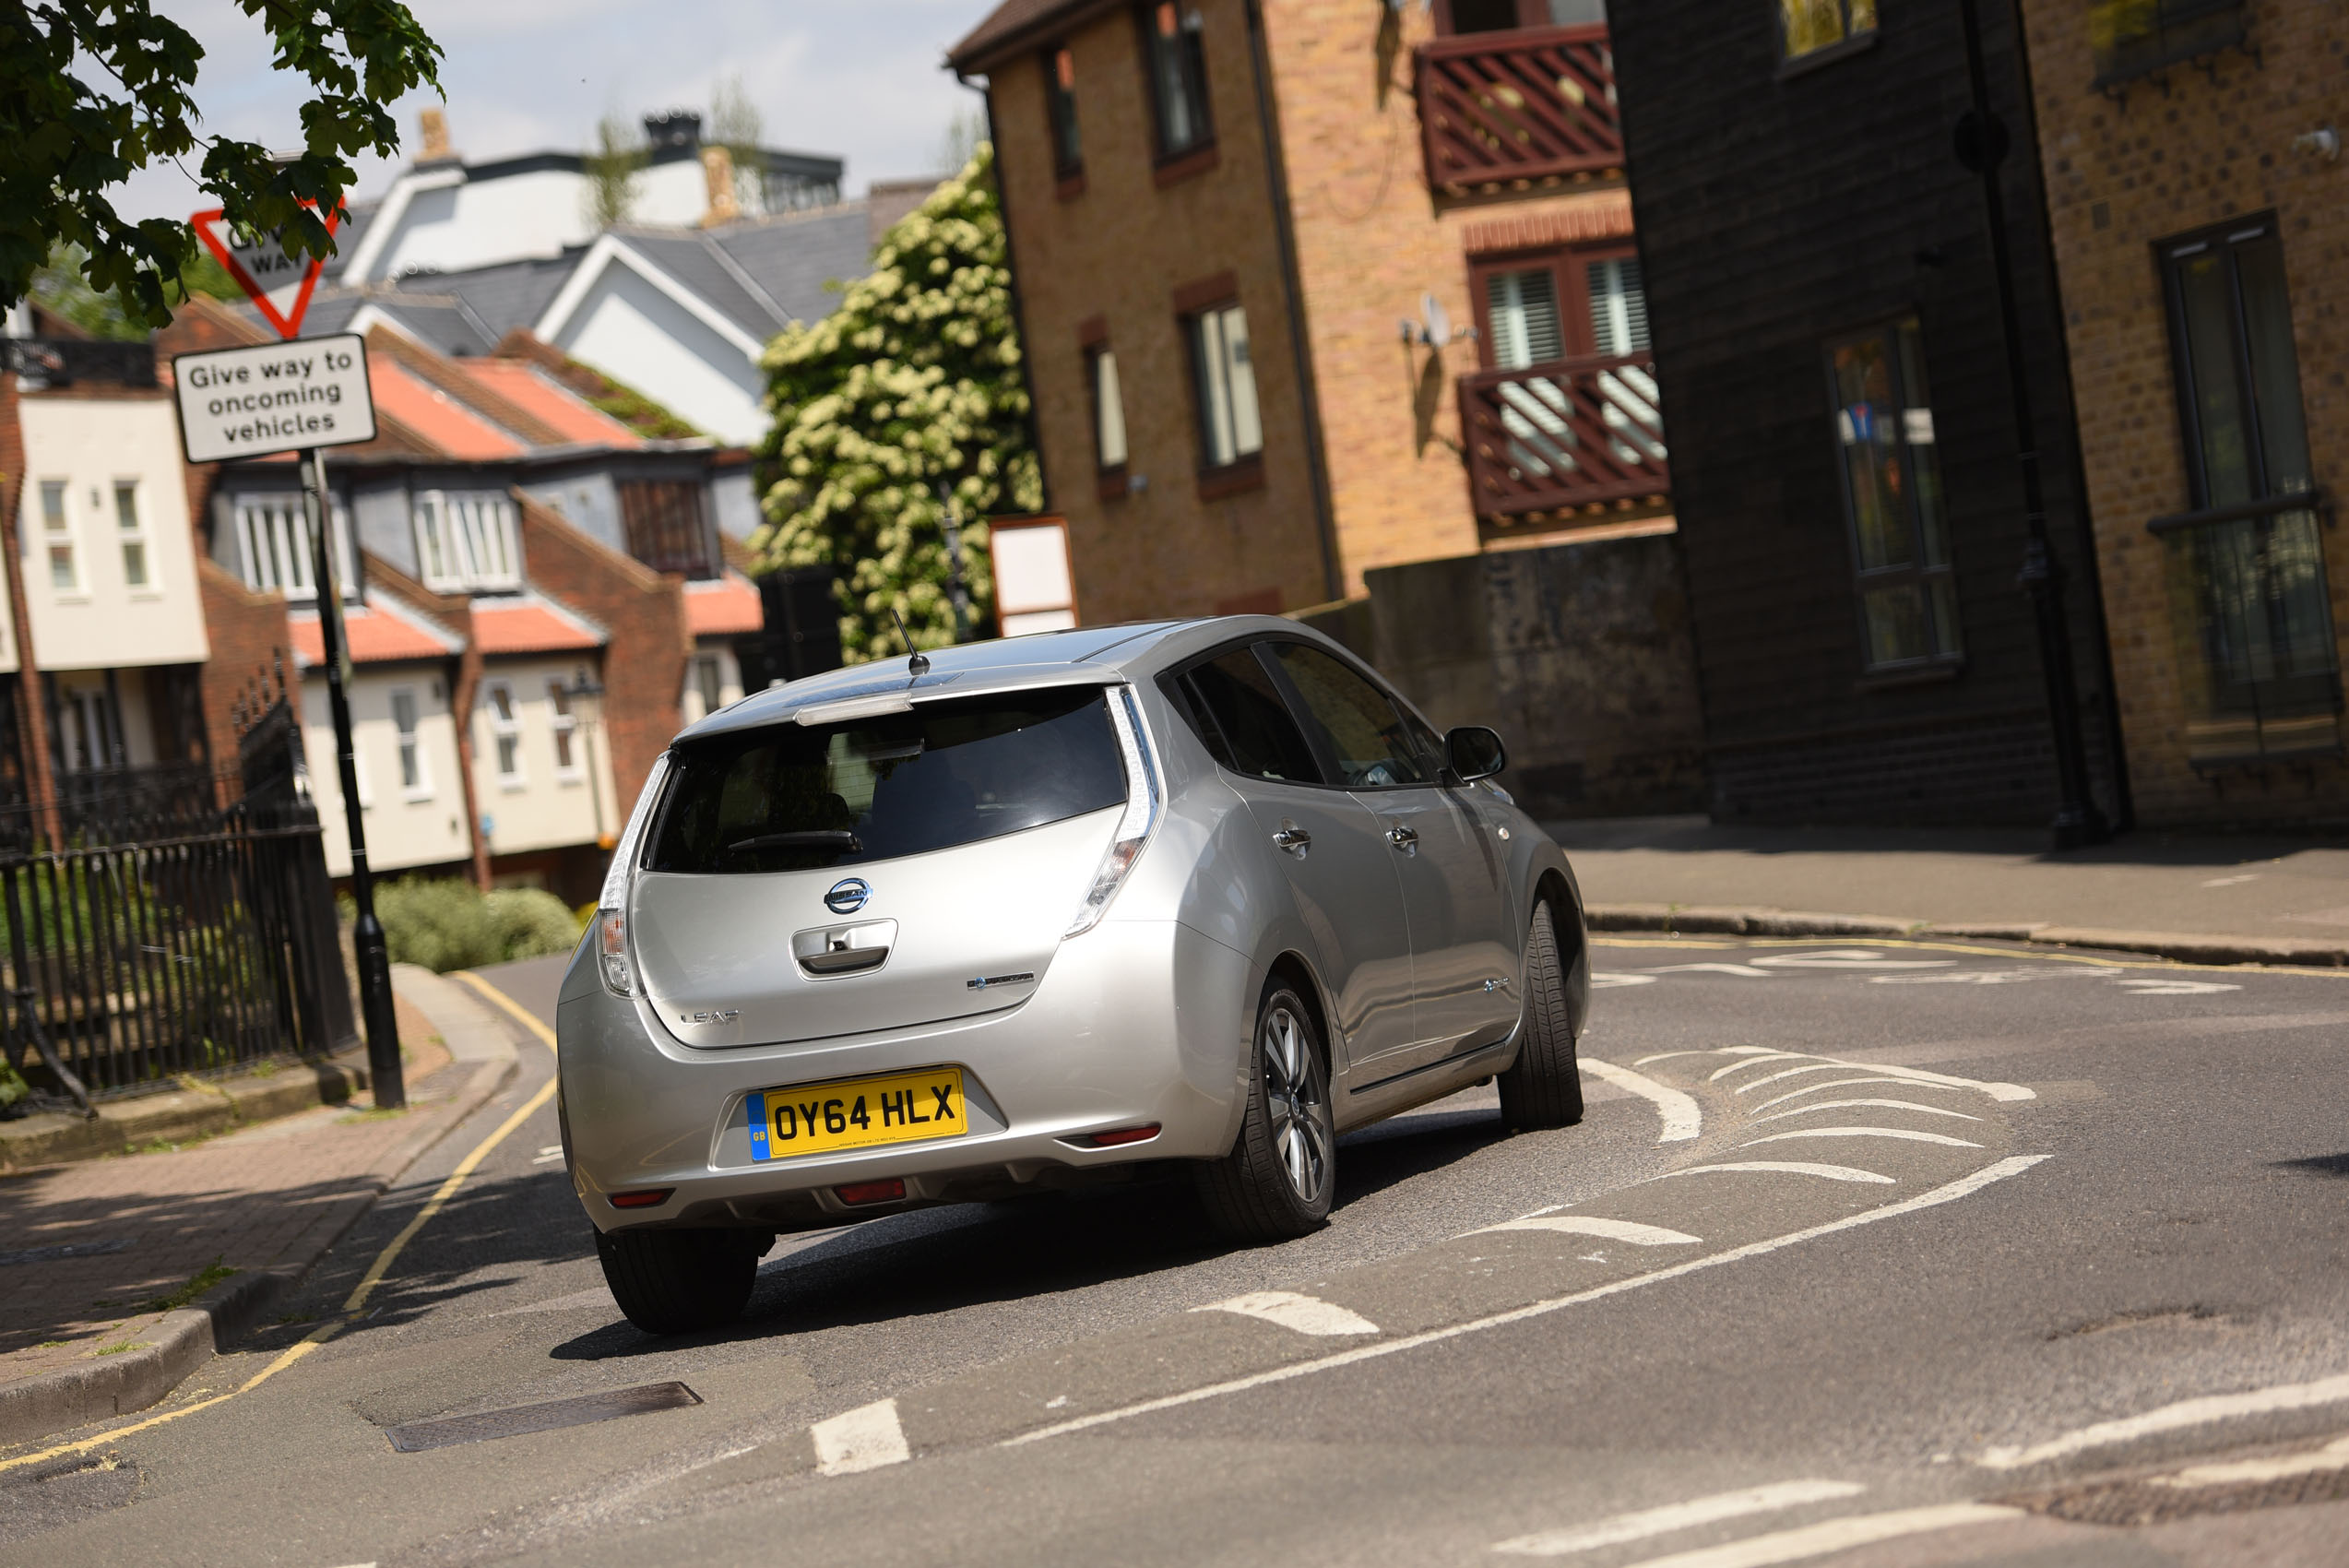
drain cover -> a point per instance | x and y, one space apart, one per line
449 1430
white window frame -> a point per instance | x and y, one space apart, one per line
58 539
409 743
565 725
273 545
1231 422
130 529
466 542
502 728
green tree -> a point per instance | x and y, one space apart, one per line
64 142
620 156
58 287
914 382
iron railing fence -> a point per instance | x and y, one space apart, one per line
1533 108
1565 435
131 965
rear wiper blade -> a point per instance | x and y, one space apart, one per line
808 839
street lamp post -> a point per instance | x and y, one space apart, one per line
1981 145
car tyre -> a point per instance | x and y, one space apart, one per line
680 1281
1544 1087
1277 1182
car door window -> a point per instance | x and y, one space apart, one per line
1246 725
1359 728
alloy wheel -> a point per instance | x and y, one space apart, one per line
1298 1107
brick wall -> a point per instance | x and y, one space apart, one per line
1118 249
2199 146
644 667
248 634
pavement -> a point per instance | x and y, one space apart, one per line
122 1275
1897 1251
2209 899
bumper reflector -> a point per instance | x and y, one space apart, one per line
648 1198
885 1192
1118 1135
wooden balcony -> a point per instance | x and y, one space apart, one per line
1522 111
1570 435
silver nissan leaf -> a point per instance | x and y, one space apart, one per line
1030 913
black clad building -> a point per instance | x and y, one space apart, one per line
1826 325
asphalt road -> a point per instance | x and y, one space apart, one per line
1864 1254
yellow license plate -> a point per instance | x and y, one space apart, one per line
900 1107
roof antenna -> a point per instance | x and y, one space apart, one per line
916 665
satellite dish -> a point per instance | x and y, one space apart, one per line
1432 318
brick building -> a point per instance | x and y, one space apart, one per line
2200 210
1312 287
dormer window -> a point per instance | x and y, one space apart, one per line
464 543
273 547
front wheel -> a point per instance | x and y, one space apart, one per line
1544 1088
1277 1182
680 1281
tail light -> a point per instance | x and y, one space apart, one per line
609 933
611 952
1141 812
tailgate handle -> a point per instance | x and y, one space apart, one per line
845 949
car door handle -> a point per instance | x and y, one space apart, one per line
1403 839
1296 840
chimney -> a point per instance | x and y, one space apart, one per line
717 174
434 123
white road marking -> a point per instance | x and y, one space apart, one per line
2171 1418
1757 1059
1591 1225
1790 1166
1682 1119
2231 881
1902 1133
1603 979
1851 1104
1914 1075
863 1439
2148 986
1678 1517
1746 970
1835 1535
1306 1314
2333 1456
2014 1165
1668 1055
1838 1083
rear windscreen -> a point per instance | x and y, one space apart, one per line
794 798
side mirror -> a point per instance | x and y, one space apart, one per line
1474 751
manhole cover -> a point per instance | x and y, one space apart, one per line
448 1431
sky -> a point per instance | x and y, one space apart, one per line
864 80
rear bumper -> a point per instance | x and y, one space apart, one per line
1133 1021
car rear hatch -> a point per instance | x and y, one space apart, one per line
876 871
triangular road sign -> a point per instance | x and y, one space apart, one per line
281 286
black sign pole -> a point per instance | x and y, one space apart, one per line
374 958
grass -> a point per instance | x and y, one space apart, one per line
203 1279
52 1344
117 1349
377 1113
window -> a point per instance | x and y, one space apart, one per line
133 534
1810 26
273 543
466 543
1244 720
669 527
1360 731
786 798
709 683
93 736
505 731
2132 38
58 535
2245 568
1108 409
413 781
1229 426
1178 70
1561 304
1501 15
1892 496
1059 99
564 722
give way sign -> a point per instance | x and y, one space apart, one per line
280 285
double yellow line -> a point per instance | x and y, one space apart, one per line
376 1270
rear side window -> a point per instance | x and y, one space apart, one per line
1247 724
1361 729
787 798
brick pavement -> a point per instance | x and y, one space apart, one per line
270 1196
